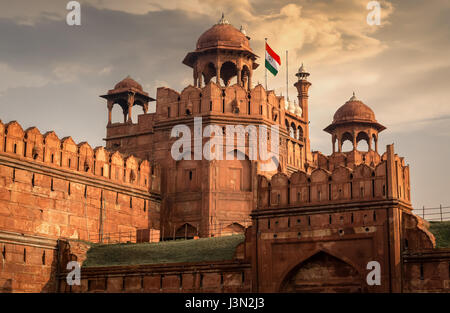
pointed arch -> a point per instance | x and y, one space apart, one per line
209 72
233 229
228 70
344 138
363 136
186 231
322 271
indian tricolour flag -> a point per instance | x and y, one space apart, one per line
273 61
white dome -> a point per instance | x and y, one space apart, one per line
291 107
302 69
243 30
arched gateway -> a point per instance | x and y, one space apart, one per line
322 272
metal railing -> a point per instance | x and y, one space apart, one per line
434 214
186 232
117 237
215 230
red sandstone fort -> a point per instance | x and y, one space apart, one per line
311 225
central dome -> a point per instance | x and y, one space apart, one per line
223 36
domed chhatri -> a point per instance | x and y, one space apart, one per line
223 52
354 110
127 83
127 93
354 121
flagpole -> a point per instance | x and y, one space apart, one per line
265 72
287 77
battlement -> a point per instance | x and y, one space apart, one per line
349 159
49 151
339 178
212 98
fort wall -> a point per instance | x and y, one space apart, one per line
52 188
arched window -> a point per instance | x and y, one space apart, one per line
364 145
209 72
228 71
299 133
347 142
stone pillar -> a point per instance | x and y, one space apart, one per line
239 77
195 77
354 141
110 105
218 74
249 83
333 142
339 145
130 105
129 113
125 113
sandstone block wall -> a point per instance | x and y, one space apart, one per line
226 276
27 263
53 189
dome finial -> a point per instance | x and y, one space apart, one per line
223 20
302 74
353 98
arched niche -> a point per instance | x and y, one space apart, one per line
235 172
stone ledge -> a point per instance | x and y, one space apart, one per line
28 240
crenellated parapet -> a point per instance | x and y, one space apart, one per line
214 99
336 180
47 150
348 159
230 101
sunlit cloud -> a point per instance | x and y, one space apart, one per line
400 69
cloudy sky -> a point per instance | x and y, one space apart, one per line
51 74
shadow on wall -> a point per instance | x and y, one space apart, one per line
51 285
7 286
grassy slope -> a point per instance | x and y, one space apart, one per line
200 250
441 231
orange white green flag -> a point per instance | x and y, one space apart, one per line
273 61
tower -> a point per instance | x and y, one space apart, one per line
203 197
223 52
302 86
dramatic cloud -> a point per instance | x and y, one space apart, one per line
52 73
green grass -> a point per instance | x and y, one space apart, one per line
199 250
441 231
